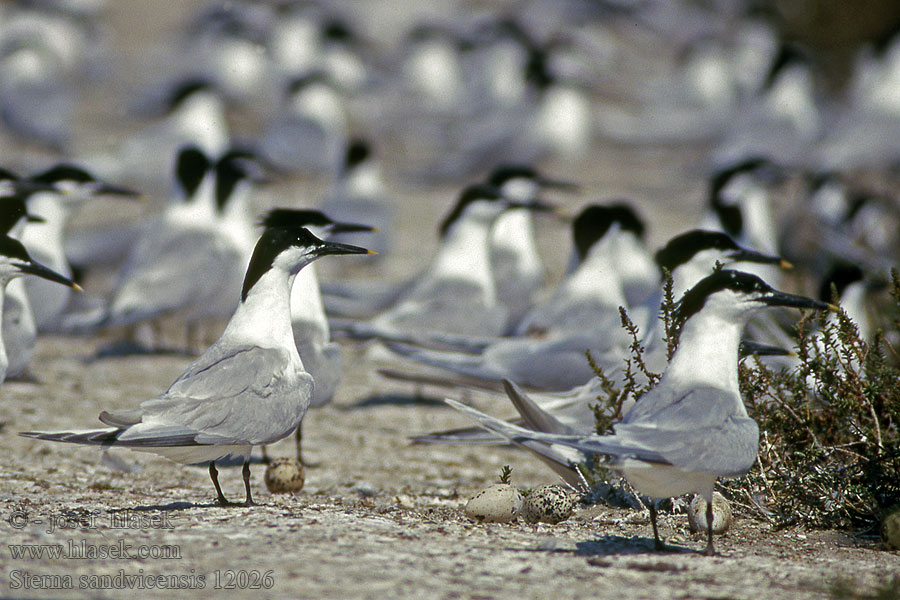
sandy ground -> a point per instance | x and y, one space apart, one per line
378 517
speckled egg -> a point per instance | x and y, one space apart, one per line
722 516
550 503
284 476
499 503
890 528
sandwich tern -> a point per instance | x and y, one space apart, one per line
689 257
19 331
15 262
457 294
320 355
70 186
692 428
190 262
250 386
585 321
358 195
518 270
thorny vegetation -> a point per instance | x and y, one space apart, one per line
829 451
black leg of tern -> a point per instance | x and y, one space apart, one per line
214 475
246 473
265 456
658 545
299 438
709 551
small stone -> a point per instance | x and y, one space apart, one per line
722 516
404 501
550 503
284 476
365 489
890 528
499 503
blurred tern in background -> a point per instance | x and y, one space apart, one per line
457 294
689 257
358 195
69 187
15 262
192 113
585 315
191 260
518 270
308 134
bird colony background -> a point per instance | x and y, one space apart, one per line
642 102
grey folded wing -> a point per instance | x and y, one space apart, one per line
246 395
704 429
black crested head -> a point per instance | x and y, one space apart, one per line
7 175
184 90
788 55
358 151
683 247
724 279
231 169
730 215
469 195
272 242
858 200
191 166
507 26
537 69
295 217
12 209
841 274
817 180
13 248
595 220
307 79
337 30
507 171
275 240
63 172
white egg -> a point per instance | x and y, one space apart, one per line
499 503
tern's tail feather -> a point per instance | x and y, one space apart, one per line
582 443
463 435
137 437
448 381
83 322
94 437
174 443
448 341
365 330
464 364
561 458
534 416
